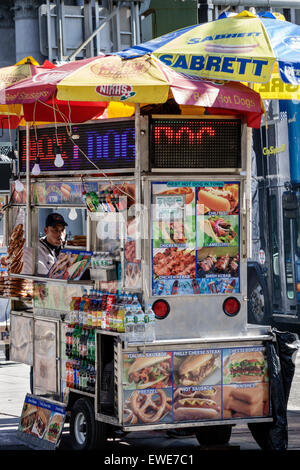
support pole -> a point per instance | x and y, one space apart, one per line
28 242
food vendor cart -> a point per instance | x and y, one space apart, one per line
172 229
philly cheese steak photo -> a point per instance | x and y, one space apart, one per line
197 368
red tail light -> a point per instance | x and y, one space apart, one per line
231 306
161 308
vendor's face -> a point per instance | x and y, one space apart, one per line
55 235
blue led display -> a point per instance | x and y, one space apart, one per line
108 145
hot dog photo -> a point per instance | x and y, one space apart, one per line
187 192
197 403
224 199
147 371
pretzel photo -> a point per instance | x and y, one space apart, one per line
148 409
129 417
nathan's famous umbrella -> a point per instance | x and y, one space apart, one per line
143 80
13 114
243 47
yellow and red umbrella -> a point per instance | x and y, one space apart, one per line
142 80
14 113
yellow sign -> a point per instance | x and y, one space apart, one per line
273 150
276 89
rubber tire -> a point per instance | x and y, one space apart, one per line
256 315
260 433
214 435
95 430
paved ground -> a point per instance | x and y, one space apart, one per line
14 384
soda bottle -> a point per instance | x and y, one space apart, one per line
94 312
88 370
67 334
112 318
129 324
121 315
81 340
92 379
70 382
86 309
75 374
195 285
80 376
67 374
74 346
70 339
230 287
72 303
90 313
92 347
89 346
104 313
81 309
139 325
84 376
79 334
99 308
149 324
175 287
76 310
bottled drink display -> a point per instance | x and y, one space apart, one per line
103 310
149 325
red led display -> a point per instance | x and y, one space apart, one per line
195 143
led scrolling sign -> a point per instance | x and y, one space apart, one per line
195 143
108 145
174 143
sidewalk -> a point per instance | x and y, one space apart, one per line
14 384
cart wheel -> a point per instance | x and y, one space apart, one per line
213 435
261 432
86 433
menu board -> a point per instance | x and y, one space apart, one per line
70 265
195 385
195 237
41 422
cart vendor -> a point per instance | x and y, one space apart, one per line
53 241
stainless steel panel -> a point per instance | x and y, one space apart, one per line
21 338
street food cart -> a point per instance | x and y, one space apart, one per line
165 223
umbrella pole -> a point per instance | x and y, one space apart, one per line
137 116
248 191
28 192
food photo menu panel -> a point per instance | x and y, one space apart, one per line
195 237
195 385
